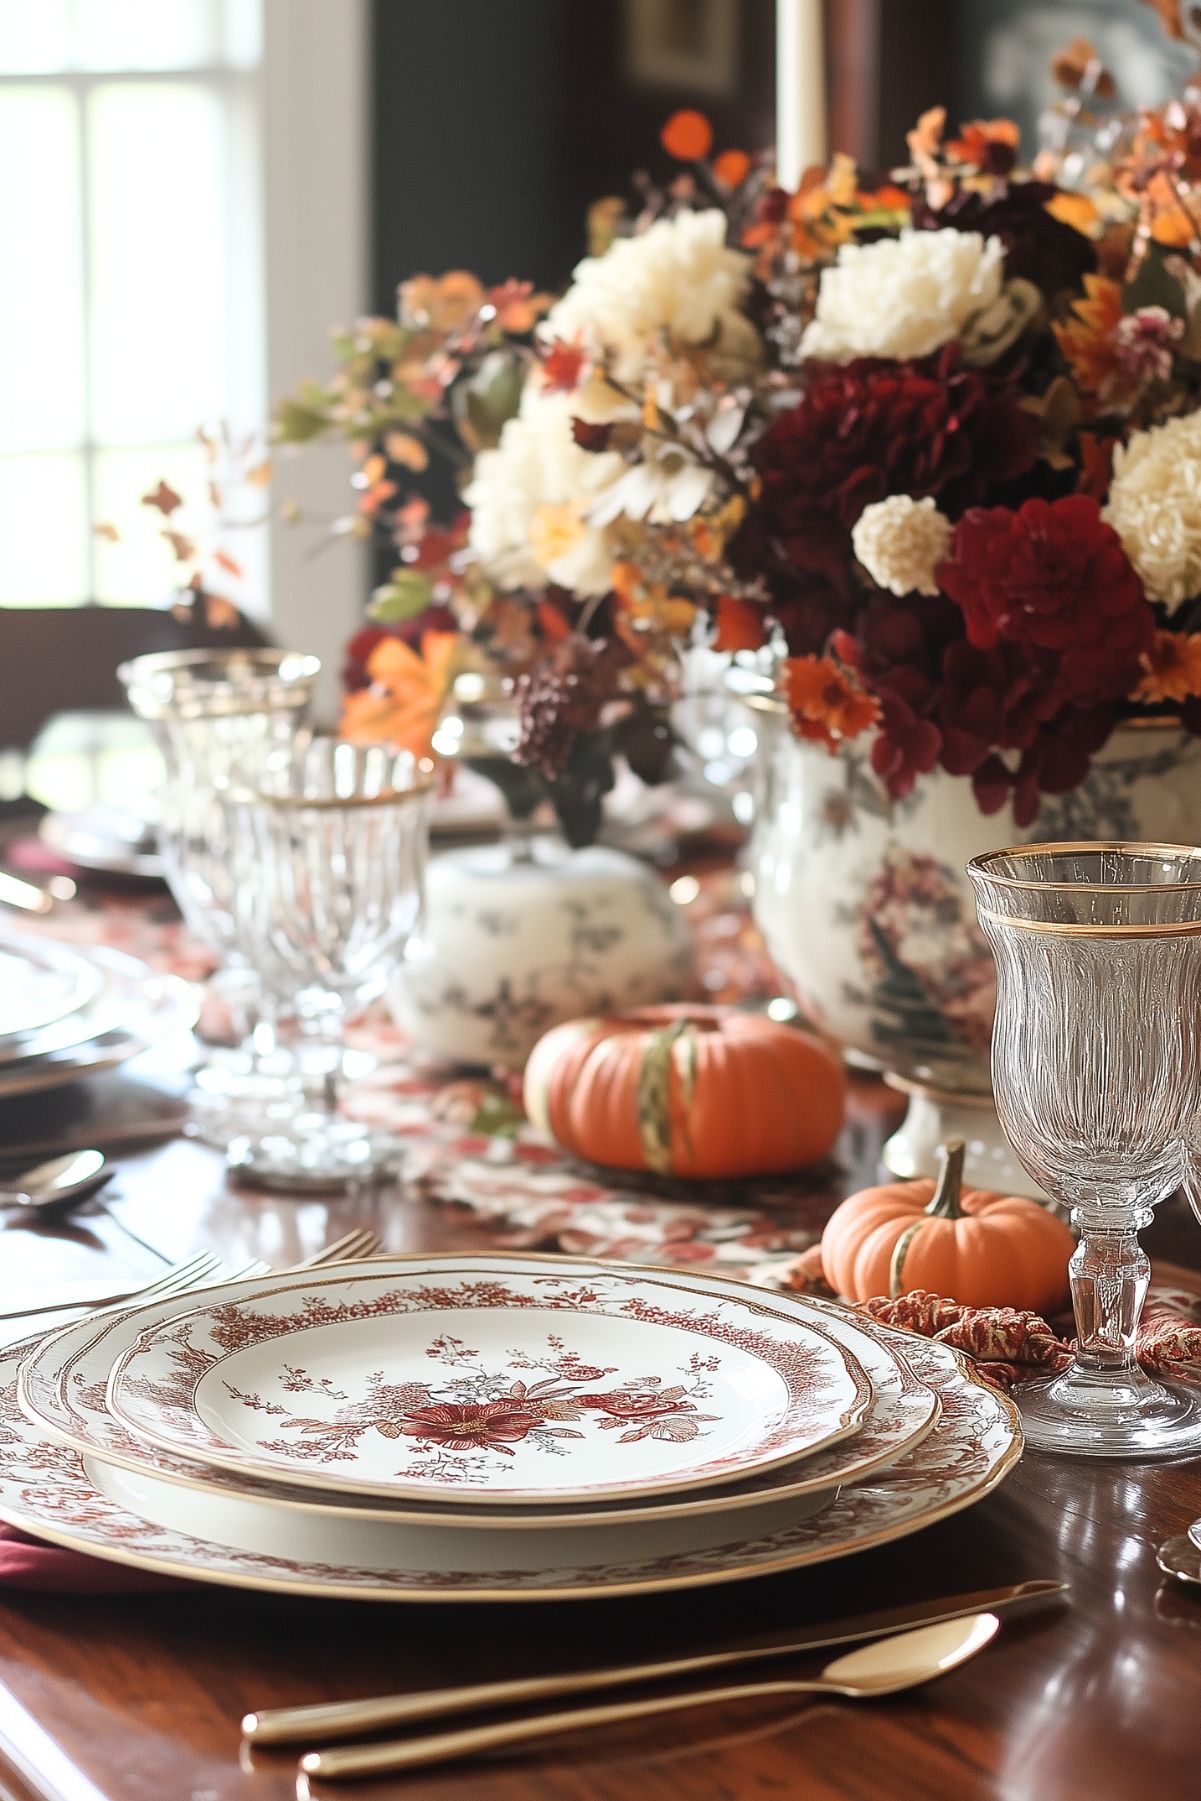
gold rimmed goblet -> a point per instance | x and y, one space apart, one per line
326 853
1096 1065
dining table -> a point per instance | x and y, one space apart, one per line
133 1696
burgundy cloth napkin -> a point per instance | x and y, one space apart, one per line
28 1563
1009 1346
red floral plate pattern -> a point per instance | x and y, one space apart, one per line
50 1491
477 1382
62 1386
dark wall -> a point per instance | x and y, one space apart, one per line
497 122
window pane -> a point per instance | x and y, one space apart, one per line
243 31
34 38
41 327
43 550
140 568
143 34
158 265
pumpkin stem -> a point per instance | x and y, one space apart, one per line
945 1204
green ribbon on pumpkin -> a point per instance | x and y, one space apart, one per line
653 1094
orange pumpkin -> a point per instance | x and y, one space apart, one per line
687 1091
979 1248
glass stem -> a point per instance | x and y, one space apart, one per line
322 1055
1109 1275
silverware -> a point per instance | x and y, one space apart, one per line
884 1667
34 897
349 1719
195 1272
1180 1557
58 1184
348 1249
84 1297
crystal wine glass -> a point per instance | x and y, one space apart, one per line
216 712
326 861
1096 1066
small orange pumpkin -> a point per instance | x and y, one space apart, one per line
979 1248
700 1092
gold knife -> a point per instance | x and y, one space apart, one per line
348 1719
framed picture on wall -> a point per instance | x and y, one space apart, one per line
690 46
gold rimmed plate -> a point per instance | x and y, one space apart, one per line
476 1380
57 1495
62 1386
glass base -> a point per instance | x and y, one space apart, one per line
1110 1413
313 1155
232 1093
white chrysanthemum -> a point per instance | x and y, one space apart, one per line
900 542
678 277
1155 507
529 498
904 296
666 488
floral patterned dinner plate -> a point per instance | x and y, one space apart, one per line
62 1386
53 1492
487 1384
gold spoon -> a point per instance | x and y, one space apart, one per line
1180 1557
883 1668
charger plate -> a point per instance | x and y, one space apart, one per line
50 1491
481 1382
62 1387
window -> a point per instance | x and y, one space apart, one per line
131 304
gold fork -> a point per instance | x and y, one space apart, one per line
181 1276
347 1249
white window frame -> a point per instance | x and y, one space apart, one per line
315 233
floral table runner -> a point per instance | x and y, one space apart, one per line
469 1143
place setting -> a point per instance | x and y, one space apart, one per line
600 902
495 1428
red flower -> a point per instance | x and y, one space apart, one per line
1055 763
628 1404
860 432
562 366
471 1425
989 698
907 745
1052 579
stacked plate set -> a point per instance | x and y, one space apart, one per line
67 1013
489 1427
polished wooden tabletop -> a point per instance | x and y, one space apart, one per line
139 1699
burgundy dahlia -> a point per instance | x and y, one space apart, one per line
860 432
1053 580
1038 246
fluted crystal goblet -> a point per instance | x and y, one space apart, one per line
1096 1066
326 858
216 712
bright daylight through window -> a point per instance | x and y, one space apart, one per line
131 303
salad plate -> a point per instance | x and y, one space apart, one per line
62 1387
479 1382
53 1492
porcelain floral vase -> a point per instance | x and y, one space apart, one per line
869 917
517 939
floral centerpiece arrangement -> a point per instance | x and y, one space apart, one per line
934 437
